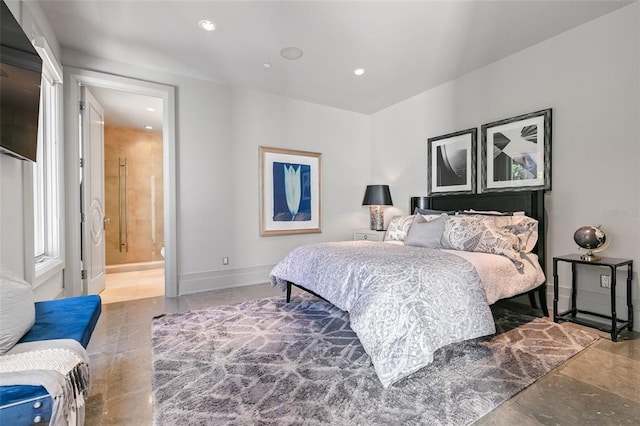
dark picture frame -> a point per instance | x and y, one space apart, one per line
516 153
451 163
290 191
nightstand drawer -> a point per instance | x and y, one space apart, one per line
368 235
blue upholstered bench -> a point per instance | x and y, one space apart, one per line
70 318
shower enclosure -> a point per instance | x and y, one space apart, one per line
133 199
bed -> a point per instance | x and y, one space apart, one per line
405 301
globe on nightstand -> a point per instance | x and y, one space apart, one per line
592 239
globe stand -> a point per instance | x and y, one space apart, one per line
589 256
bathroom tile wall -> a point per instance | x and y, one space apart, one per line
143 152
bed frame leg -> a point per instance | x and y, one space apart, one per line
542 294
288 292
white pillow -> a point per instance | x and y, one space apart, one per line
17 309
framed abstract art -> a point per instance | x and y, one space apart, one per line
451 163
516 153
290 184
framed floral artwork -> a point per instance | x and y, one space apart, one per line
290 191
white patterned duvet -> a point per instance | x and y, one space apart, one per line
404 302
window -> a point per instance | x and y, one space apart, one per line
45 175
46 170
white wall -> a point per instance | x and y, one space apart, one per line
219 130
12 251
16 188
590 77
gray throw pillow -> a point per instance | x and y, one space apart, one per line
17 309
425 233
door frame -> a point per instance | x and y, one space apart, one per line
73 79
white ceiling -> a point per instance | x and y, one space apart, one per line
129 110
406 47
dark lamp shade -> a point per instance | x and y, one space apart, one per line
377 195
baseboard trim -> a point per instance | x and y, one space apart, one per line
594 300
130 267
198 282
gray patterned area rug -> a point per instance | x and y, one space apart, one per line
266 362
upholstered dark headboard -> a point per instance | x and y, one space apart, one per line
530 202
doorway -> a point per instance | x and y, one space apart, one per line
133 197
74 80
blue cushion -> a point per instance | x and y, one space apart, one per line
71 318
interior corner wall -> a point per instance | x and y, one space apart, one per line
589 76
219 129
233 230
12 193
15 226
11 215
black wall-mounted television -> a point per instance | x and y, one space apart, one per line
20 74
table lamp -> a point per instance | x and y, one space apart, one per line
376 197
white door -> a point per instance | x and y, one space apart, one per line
92 193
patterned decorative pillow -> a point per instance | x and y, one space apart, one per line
524 227
398 228
505 235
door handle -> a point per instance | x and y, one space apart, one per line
106 221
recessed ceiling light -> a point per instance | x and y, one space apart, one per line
267 65
291 53
207 25
148 127
358 71
151 109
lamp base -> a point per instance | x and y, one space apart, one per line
376 218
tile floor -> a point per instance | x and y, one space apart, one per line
133 285
600 386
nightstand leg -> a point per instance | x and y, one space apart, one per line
614 318
555 290
629 297
574 290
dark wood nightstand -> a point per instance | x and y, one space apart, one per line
572 315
